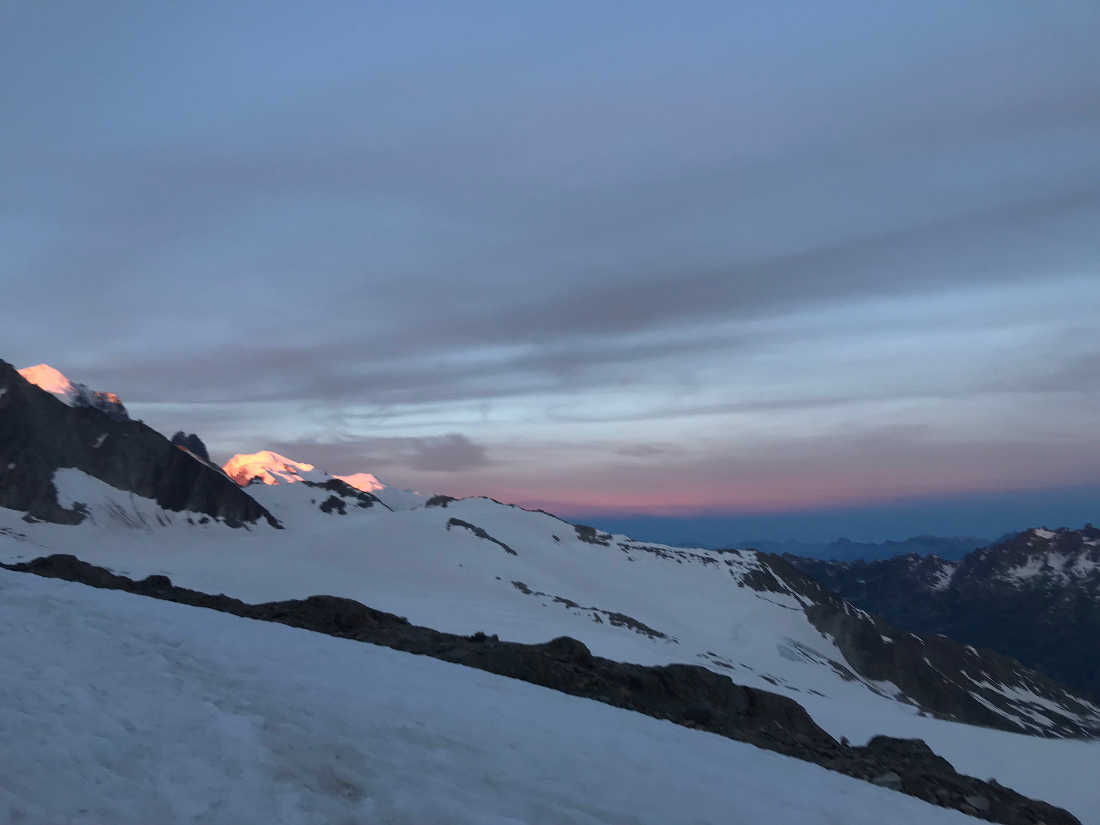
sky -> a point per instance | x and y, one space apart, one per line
812 263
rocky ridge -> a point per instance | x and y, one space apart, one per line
1034 596
942 676
687 695
40 434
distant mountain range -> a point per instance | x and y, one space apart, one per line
843 549
650 628
1034 596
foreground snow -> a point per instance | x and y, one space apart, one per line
127 710
417 564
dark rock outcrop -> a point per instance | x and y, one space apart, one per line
940 675
1034 596
687 695
191 442
598 614
847 550
343 496
39 435
481 534
591 535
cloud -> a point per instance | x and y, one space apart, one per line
450 453
385 227
641 450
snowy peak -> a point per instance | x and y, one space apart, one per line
272 469
1044 558
269 467
47 378
76 462
367 482
1034 596
72 393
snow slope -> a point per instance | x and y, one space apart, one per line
532 577
107 506
128 710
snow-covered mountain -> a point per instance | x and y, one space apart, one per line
74 394
120 709
267 467
478 566
473 566
846 550
69 462
1034 596
272 469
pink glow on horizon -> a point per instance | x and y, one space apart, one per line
778 496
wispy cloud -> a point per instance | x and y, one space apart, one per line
439 242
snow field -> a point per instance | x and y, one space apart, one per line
120 709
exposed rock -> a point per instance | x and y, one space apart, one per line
591 535
334 504
191 442
688 695
598 614
978 803
1034 596
343 495
941 676
481 534
39 434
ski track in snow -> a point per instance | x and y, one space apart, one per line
128 710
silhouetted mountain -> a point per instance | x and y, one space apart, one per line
45 442
844 549
191 442
1034 596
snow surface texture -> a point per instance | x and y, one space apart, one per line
108 506
797 643
129 710
429 564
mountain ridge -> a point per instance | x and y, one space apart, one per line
74 394
467 566
41 434
687 695
1034 596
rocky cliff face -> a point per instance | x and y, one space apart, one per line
40 434
942 676
1035 596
